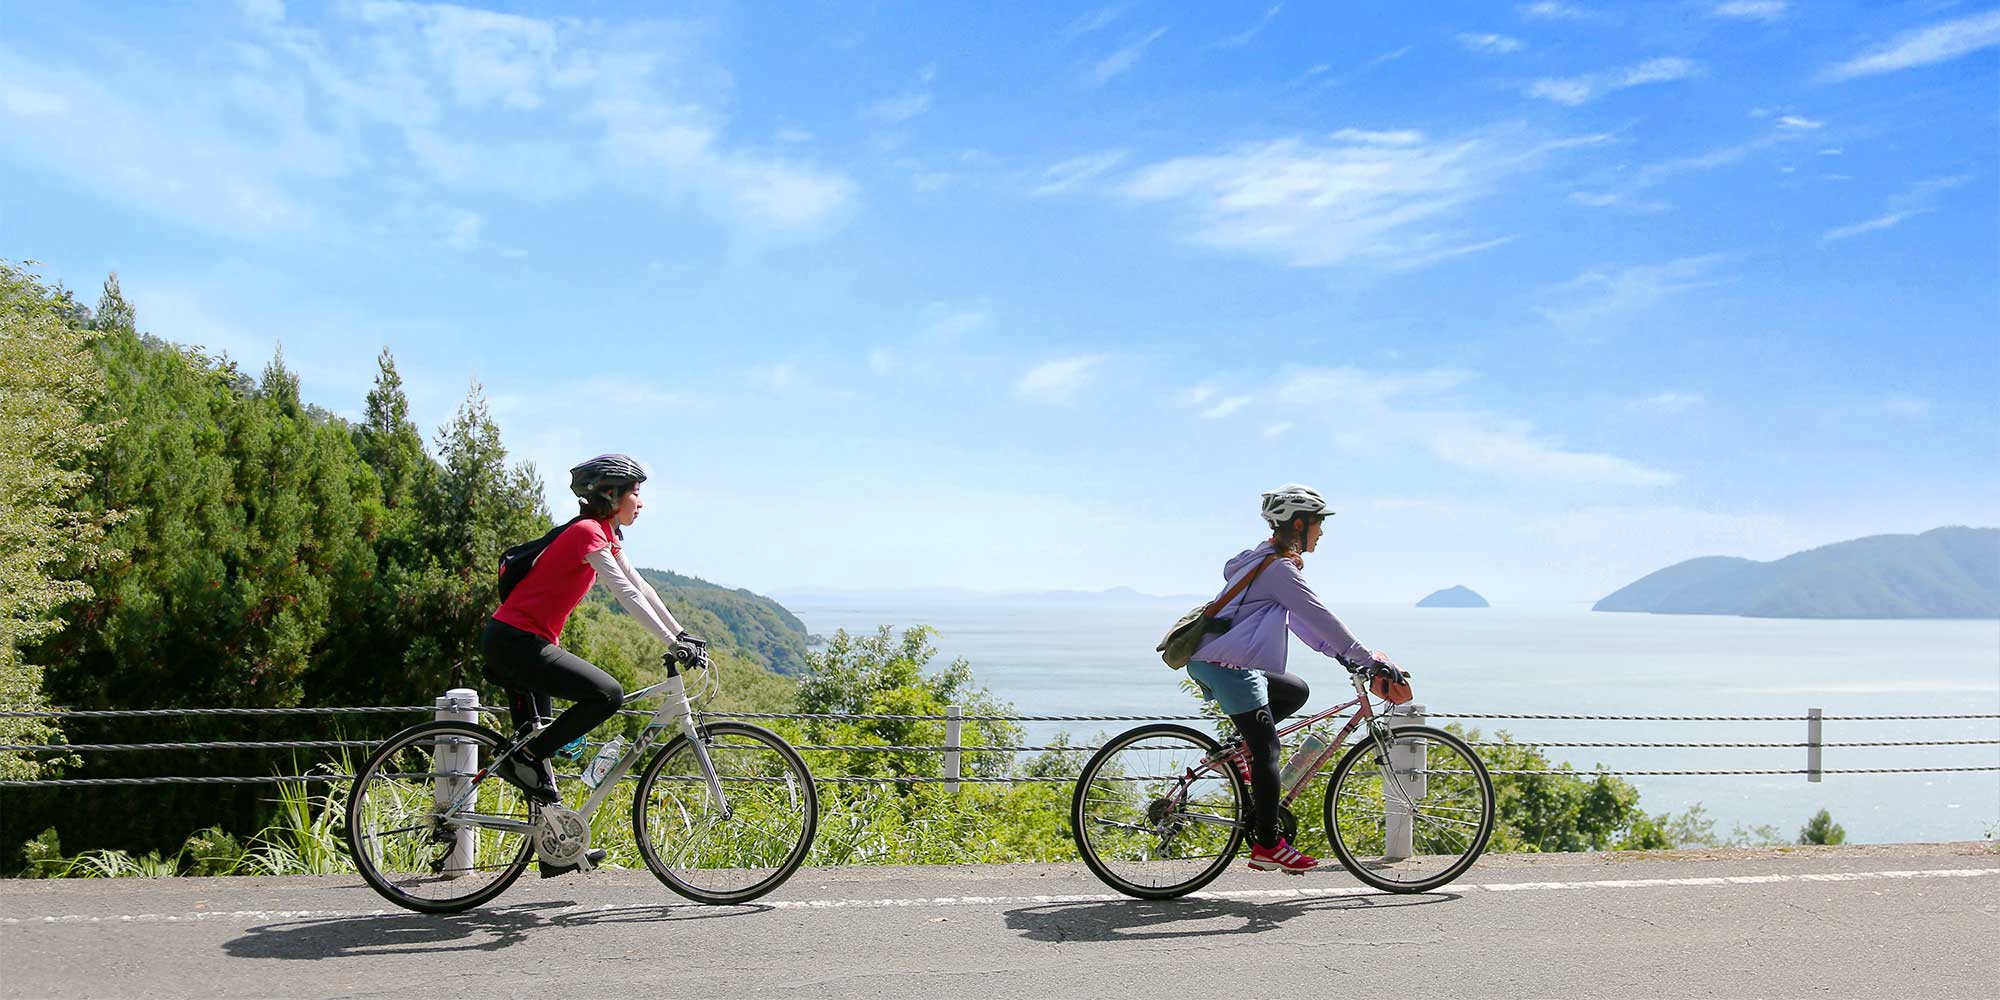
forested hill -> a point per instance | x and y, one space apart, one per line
1942 573
752 624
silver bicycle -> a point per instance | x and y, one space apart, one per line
724 813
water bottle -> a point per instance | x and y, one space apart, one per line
1308 754
600 765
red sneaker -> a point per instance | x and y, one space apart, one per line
1281 857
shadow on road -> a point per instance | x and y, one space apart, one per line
418 933
1152 920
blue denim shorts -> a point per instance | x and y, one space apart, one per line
1235 690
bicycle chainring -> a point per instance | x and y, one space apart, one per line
561 837
1288 825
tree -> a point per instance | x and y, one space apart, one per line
1821 829
49 381
474 506
113 312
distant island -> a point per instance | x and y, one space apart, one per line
1454 597
1943 573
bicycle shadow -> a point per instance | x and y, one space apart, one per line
1171 919
488 930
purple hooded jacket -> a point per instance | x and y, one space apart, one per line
1260 616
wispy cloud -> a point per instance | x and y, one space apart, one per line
1924 46
1917 200
1058 381
1071 174
1751 10
1387 410
1122 61
1225 407
1602 293
1488 43
1798 123
1096 20
897 110
1243 37
470 102
1386 198
1550 10
1671 401
1577 90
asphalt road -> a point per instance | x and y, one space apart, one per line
1903 921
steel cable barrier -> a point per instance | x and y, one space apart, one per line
955 749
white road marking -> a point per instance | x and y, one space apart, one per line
1103 897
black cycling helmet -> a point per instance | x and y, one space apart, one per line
599 482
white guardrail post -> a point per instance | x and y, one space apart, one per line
1812 743
1406 759
952 729
457 705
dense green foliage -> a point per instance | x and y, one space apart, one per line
1942 573
48 382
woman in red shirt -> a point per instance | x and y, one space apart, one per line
520 642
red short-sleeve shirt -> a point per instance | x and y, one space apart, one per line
541 603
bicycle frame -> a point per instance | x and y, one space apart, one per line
1364 712
674 711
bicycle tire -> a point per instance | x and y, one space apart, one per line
1367 753
800 784
1081 822
373 793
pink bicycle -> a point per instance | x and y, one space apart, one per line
1161 810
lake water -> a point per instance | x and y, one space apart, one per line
1076 659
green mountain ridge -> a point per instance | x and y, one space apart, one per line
738 619
1951 572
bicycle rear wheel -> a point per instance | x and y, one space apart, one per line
713 855
399 838
1149 821
1417 824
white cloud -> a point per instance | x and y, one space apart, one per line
792 136
1602 293
1671 401
1797 123
1074 173
1243 37
1549 10
1755 10
1096 20
1917 200
897 110
945 325
1226 407
1578 90
1924 46
1385 198
464 234
1380 412
1122 61
1277 430
468 101
1488 43
1058 381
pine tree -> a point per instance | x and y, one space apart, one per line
113 312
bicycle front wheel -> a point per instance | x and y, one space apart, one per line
742 846
1150 820
1416 823
406 845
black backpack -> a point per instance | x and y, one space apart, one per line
517 561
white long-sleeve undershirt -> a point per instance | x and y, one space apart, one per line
634 594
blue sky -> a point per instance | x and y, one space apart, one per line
1544 296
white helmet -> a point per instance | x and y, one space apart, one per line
1292 500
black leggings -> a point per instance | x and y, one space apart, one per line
1259 729
532 668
